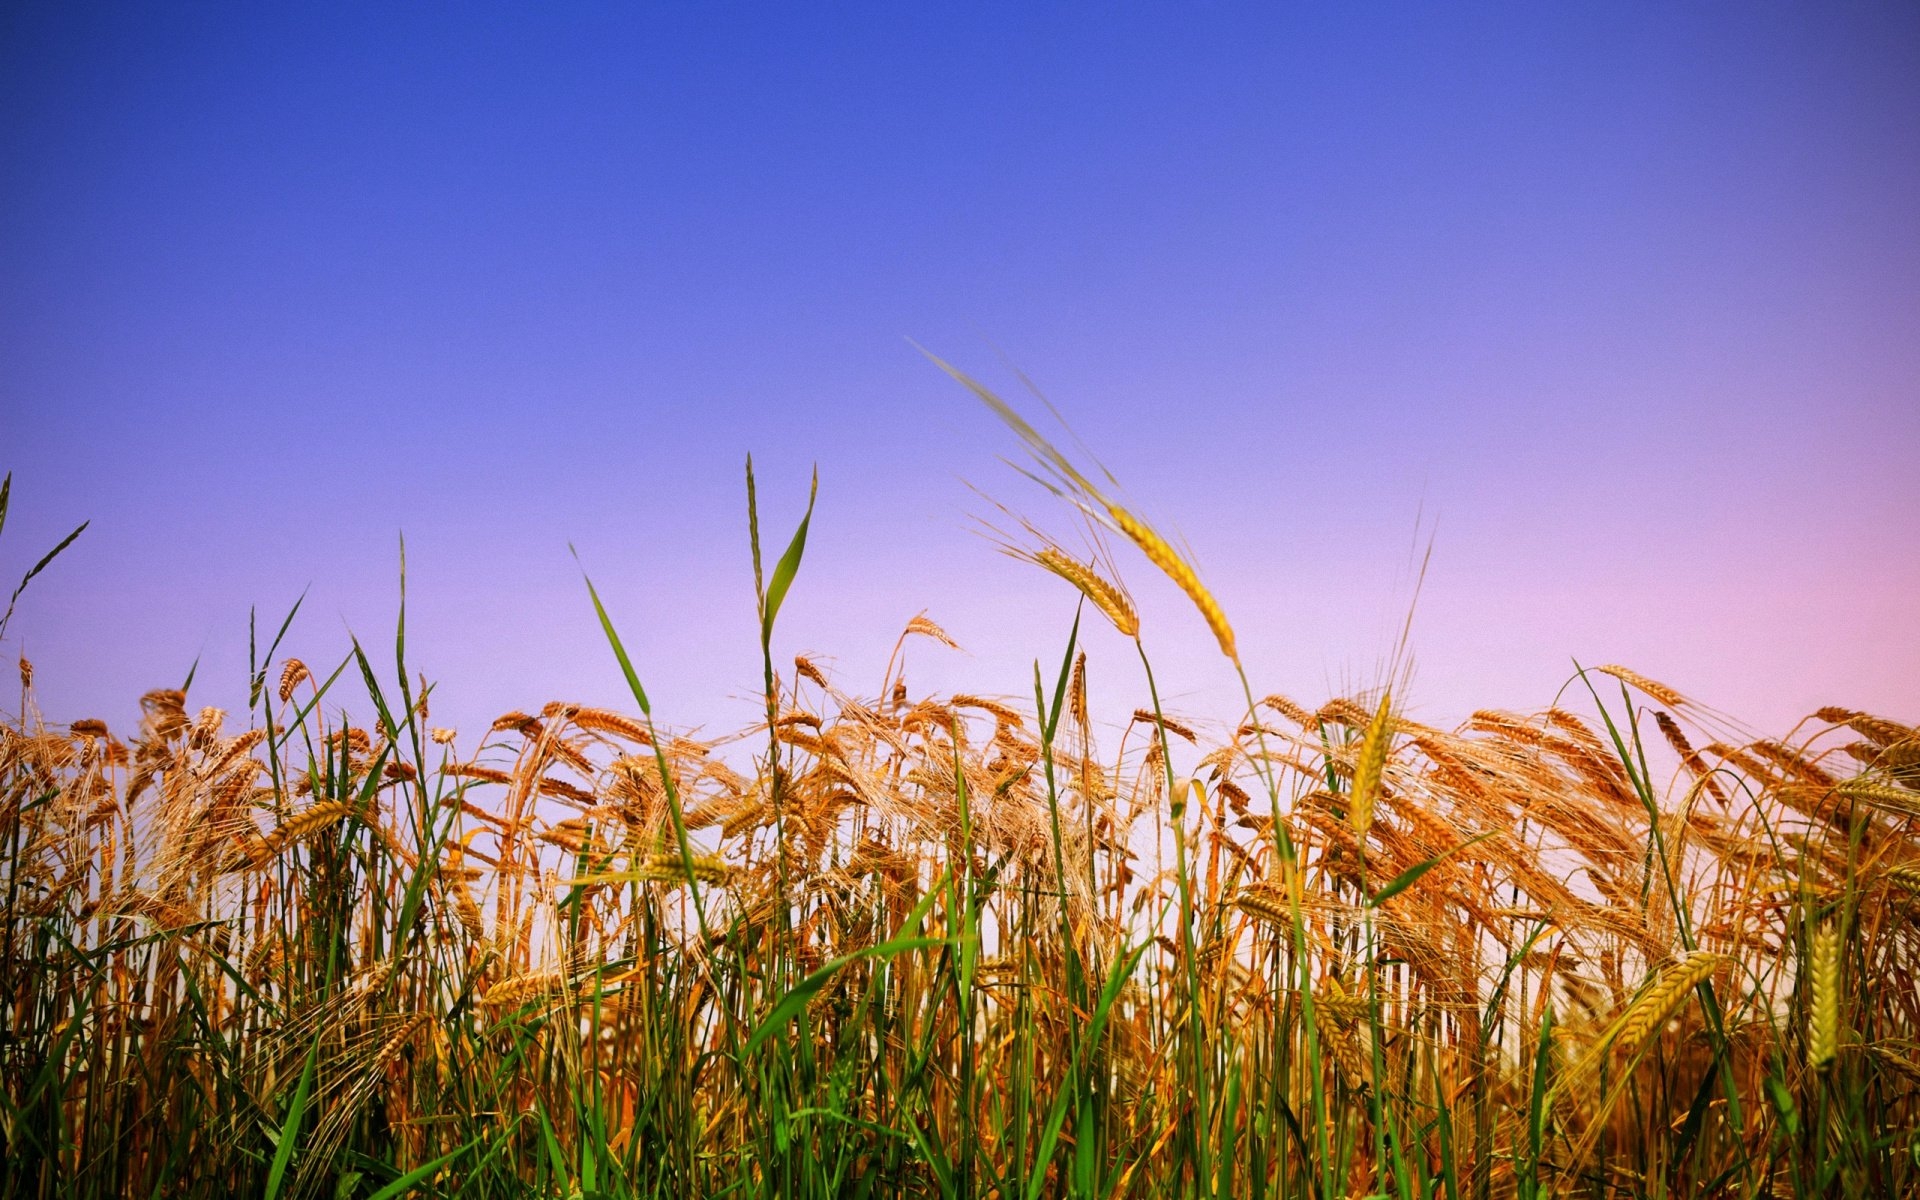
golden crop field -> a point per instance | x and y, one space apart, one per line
901 944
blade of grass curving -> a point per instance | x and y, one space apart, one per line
290 1128
796 998
789 564
1065 676
1537 1106
1411 875
935 1158
265 664
422 1173
37 568
1096 1026
613 639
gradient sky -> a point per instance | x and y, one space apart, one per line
1626 297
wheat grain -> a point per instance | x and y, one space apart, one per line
292 675
1880 731
1659 691
1648 1013
1108 597
1146 716
410 1026
1882 795
1176 568
308 822
517 990
1369 763
1823 1016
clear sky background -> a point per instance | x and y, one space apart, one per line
1627 297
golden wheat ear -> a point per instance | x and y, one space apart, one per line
1174 565
1823 1015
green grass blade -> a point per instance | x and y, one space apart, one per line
421 1173
789 565
613 639
39 567
797 996
1412 874
290 1128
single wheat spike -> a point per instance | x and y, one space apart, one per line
1106 596
292 675
467 911
1369 765
1907 876
1823 1017
606 721
1881 731
525 724
1161 555
1077 693
442 737
392 1047
1001 712
1340 1044
478 772
671 868
309 821
1343 1009
1288 709
1881 795
1659 691
518 989
1651 1010
924 626
88 729
805 668
1670 729
1146 716
1264 905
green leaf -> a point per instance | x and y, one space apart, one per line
789 1005
555 1155
930 1152
788 566
1109 994
1066 676
290 1130
39 567
1412 874
613 639
1783 1104
797 997
421 1173
1537 1103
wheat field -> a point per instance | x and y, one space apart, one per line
957 946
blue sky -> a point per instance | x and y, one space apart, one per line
1625 296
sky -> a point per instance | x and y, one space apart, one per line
1616 306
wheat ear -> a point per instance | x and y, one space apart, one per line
1106 596
1162 555
1369 766
1823 1019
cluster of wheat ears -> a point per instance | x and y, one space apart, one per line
900 944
